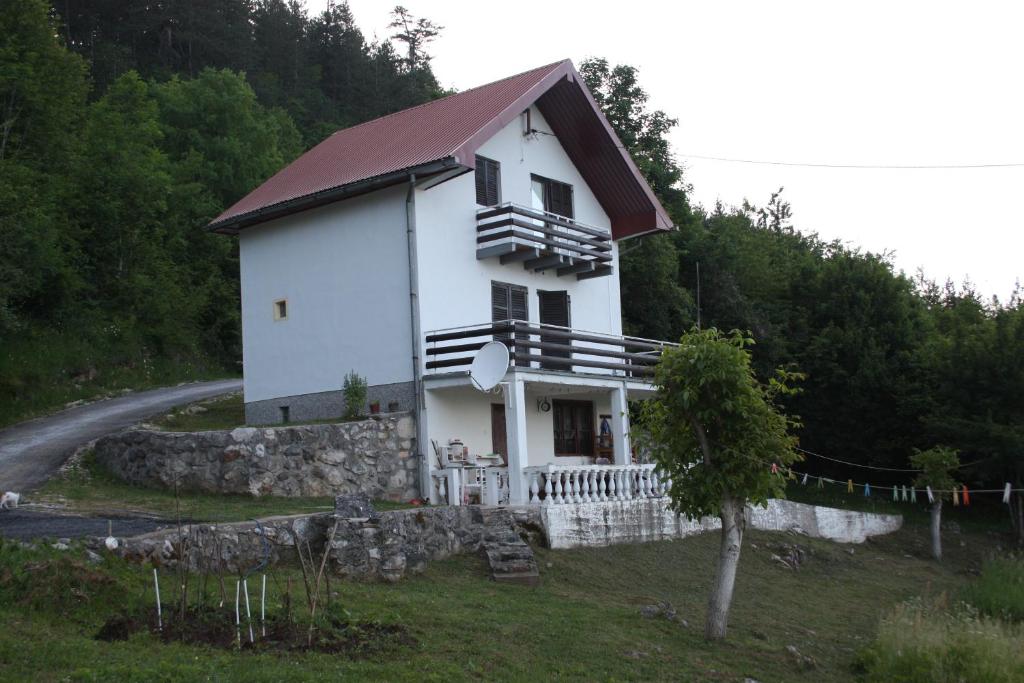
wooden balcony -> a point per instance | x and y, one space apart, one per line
543 241
546 347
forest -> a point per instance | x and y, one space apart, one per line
126 126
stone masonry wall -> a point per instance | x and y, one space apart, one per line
374 457
386 546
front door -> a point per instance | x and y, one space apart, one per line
499 437
554 310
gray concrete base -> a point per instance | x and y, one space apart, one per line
327 405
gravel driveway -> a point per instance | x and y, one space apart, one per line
32 451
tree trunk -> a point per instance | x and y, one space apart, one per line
1016 508
733 517
937 529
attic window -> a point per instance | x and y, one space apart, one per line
281 309
488 179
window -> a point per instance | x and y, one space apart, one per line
574 427
281 309
488 182
552 196
509 302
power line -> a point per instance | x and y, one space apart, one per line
762 162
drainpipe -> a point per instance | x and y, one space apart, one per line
419 409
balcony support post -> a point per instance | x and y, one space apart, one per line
515 429
620 426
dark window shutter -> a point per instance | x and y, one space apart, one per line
558 198
554 308
517 303
508 302
499 302
487 182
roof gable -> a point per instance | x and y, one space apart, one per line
445 134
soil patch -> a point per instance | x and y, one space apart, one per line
216 627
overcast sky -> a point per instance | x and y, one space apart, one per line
890 83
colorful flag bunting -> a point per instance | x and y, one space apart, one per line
905 499
867 490
931 498
956 498
913 495
821 483
804 482
1006 494
895 494
775 468
849 485
967 496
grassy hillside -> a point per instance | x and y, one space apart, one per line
582 623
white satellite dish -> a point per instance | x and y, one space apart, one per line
489 365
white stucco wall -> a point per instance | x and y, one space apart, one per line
343 269
638 521
455 287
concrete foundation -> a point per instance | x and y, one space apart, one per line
327 405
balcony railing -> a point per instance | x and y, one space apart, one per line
543 241
549 347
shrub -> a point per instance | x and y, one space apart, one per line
999 591
354 391
920 644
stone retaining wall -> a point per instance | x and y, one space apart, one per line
386 546
374 457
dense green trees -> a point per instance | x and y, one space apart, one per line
124 129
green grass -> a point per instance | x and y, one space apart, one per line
999 591
226 412
581 623
931 643
90 489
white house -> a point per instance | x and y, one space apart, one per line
398 247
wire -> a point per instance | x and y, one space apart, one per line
856 464
762 162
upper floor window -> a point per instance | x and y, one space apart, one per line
281 309
488 182
552 196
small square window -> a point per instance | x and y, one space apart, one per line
281 309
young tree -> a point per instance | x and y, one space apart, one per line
937 465
716 431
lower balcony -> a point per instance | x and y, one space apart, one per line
546 347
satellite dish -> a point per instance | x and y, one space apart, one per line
489 365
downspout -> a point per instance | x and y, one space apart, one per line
419 408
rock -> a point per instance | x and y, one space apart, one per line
802 661
93 558
353 505
364 457
59 546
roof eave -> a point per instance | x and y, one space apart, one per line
232 225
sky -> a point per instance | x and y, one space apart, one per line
863 84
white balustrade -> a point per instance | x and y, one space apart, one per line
564 484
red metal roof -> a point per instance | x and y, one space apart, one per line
451 129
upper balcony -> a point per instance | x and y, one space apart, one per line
543 241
